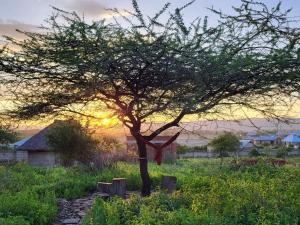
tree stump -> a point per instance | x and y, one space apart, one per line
119 187
168 183
105 187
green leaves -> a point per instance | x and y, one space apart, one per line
7 135
72 141
154 66
227 142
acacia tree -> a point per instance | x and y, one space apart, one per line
152 67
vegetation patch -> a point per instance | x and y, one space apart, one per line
210 194
207 194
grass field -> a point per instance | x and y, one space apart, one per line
207 194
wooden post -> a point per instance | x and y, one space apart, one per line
105 187
168 183
119 187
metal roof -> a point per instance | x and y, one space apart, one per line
19 143
292 138
246 143
266 138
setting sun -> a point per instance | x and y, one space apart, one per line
108 122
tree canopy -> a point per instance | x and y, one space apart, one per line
225 143
7 135
152 66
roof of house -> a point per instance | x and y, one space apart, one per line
19 143
246 143
38 142
292 138
295 133
266 138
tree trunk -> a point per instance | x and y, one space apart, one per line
146 183
221 156
236 157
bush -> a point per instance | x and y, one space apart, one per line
72 141
14 220
283 151
200 148
254 153
181 149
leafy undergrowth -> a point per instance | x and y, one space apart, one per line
208 194
29 195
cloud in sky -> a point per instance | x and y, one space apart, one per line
90 8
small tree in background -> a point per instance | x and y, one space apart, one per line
283 151
225 143
109 144
72 141
7 135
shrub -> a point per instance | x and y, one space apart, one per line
254 153
200 148
14 220
283 151
72 141
181 149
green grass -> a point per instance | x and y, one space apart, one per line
208 194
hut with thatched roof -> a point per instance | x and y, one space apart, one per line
38 151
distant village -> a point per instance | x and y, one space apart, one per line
273 141
35 151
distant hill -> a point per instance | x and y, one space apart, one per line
235 125
200 132
245 125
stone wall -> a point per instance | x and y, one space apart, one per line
13 156
43 158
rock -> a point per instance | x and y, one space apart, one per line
168 183
71 221
81 214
